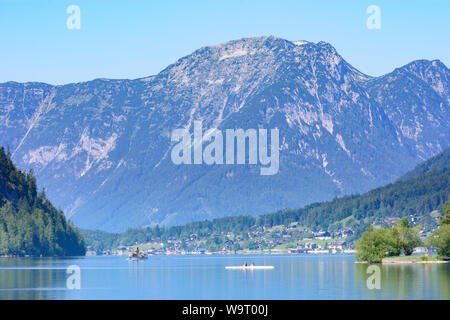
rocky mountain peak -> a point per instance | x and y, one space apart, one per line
102 148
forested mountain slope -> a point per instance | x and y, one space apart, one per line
418 196
29 223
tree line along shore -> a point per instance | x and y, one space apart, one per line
396 245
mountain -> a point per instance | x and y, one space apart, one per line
436 163
29 223
418 195
103 148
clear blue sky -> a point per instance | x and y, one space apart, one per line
132 39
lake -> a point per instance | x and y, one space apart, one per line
204 277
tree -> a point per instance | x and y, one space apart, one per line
441 240
441 237
407 238
374 245
213 244
252 245
236 247
445 219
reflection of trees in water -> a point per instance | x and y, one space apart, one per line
303 277
361 276
30 276
407 281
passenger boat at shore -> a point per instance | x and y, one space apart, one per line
137 255
133 258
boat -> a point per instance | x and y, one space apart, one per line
137 255
249 267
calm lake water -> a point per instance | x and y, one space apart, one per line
205 277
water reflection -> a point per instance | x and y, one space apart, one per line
29 279
205 277
408 281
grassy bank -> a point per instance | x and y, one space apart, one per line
414 259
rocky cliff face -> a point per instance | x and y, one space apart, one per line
102 148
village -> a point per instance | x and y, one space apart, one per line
292 239
280 239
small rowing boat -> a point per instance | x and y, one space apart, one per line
249 267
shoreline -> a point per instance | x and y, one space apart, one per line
411 260
197 254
